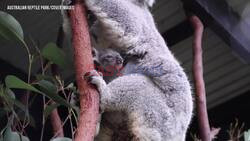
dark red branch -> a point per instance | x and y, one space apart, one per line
89 97
202 115
56 123
55 119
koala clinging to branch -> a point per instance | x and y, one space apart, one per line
109 63
154 90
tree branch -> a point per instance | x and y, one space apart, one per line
89 97
55 119
204 127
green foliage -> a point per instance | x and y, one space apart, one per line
9 98
46 88
12 81
247 135
10 28
45 84
9 135
45 77
54 54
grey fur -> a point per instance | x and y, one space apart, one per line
109 122
154 91
109 62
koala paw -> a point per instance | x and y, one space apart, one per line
68 2
93 77
136 53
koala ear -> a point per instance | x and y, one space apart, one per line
94 52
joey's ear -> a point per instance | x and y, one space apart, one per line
95 57
94 52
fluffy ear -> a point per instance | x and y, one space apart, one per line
95 57
94 52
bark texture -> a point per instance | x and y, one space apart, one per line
89 97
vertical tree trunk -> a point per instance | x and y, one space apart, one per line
202 115
89 97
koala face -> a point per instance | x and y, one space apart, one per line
109 58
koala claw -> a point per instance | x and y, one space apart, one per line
68 2
94 78
89 75
139 54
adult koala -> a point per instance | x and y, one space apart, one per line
154 91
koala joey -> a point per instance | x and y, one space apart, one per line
109 62
154 91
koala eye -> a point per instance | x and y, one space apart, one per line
109 56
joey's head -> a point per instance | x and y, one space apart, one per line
108 60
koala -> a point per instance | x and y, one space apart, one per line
154 91
112 125
108 62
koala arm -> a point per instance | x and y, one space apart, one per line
136 101
105 96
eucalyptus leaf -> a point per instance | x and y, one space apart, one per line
12 81
10 93
45 77
48 89
48 109
54 54
61 139
247 135
10 28
1 90
13 136
45 88
48 85
9 98
20 105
